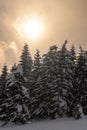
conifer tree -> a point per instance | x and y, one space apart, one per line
73 67
15 106
35 86
50 72
65 81
26 61
36 65
81 80
47 95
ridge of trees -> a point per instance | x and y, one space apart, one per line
48 87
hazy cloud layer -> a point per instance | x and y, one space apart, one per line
63 19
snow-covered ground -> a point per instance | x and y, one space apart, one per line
60 124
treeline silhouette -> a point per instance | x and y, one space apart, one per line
48 87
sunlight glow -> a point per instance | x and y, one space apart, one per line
12 45
29 28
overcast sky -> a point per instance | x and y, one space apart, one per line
63 19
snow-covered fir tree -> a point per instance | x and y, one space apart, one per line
73 67
26 61
50 72
35 86
48 95
65 82
36 65
15 106
81 80
73 58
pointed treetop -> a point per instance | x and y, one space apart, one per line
14 67
64 45
26 61
73 50
4 72
37 58
81 49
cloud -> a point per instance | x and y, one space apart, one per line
64 19
2 58
8 54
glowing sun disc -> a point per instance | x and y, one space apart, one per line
29 28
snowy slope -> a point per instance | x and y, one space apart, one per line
60 124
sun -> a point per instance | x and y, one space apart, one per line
29 28
32 28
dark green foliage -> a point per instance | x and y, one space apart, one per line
35 86
49 77
81 80
2 88
65 81
46 93
51 86
26 61
36 65
3 78
15 105
14 67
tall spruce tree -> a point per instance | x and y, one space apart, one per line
47 98
73 67
36 65
15 106
65 81
50 70
35 86
81 82
26 61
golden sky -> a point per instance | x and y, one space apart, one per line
61 19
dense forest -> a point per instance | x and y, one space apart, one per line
50 86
